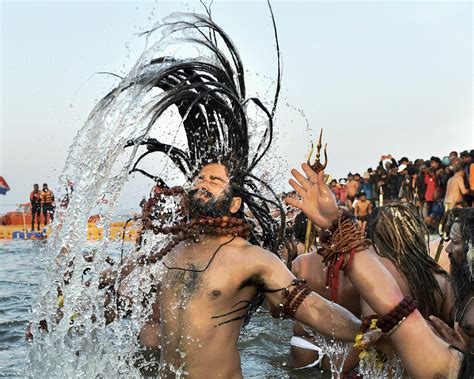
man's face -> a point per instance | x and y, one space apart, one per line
434 165
35 187
456 248
211 194
350 177
357 178
45 187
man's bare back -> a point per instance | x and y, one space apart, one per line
311 267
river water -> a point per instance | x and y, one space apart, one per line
263 344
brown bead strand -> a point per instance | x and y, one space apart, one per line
396 316
340 238
221 226
291 300
290 296
305 291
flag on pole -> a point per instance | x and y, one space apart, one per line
3 186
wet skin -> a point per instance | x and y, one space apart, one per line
311 267
202 312
432 358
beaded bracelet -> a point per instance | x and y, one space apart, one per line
392 320
291 300
368 323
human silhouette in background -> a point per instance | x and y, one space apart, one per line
35 199
47 203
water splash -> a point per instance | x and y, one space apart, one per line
334 350
72 333
384 366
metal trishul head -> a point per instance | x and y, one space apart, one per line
317 166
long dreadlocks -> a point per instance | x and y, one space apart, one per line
210 96
398 234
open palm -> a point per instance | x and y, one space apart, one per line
316 199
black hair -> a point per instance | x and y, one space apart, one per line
210 96
435 159
299 227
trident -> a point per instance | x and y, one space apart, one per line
317 166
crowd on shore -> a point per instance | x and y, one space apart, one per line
433 186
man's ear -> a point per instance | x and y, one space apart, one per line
235 205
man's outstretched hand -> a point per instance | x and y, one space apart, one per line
317 200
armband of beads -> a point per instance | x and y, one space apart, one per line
392 320
291 300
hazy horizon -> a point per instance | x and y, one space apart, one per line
385 77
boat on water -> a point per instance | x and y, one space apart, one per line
16 225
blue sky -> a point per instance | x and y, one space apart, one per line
379 77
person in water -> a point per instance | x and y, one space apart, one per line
305 352
220 265
400 239
435 358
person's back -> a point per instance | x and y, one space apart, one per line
311 267
455 189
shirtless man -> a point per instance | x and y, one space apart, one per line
455 188
304 352
362 210
399 239
352 187
203 307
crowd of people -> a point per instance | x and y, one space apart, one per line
41 202
220 250
433 186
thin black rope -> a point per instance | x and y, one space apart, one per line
208 263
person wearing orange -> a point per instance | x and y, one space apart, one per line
35 199
47 203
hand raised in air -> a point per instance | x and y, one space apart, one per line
316 199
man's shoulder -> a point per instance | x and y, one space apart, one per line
305 261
